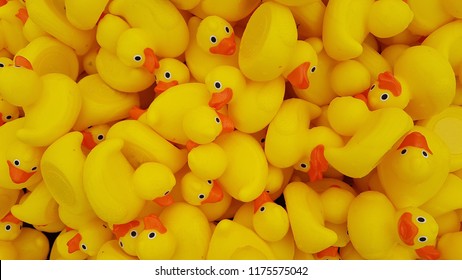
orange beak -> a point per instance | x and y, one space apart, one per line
153 222
73 244
259 201
2 122
220 99
331 251
415 139
227 46
318 163
151 63
21 61
3 2
406 229
122 229
215 194
165 200
18 175
191 145
10 218
136 112
362 96
163 86
428 253
298 78
227 122
88 141
23 15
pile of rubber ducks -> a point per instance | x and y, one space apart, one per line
248 129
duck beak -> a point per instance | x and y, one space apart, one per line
227 46
18 175
88 141
23 15
10 218
220 99
259 201
153 222
298 78
331 251
135 112
73 244
21 61
406 229
428 253
162 86
227 122
215 194
2 122
363 96
191 145
165 200
151 63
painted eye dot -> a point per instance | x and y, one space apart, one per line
226 29
372 87
166 193
217 85
137 58
209 182
16 162
84 247
403 151
384 96
262 209
421 219
262 140
423 238
151 235
167 75
100 137
34 168
201 196
303 165
133 233
425 154
213 39
8 227
217 120
2 65
313 69
121 244
8 117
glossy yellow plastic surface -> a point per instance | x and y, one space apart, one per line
84 14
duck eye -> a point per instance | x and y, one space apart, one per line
213 39
137 58
133 233
84 247
9 117
372 87
313 69
2 65
384 96
403 151
100 137
166 193
422 239
425 154
167 75
217 85
151 235
263 140
121 244
16 162
34 168
217 120
209 182
226 29
421 219
303 165
262 209
8 227
201 196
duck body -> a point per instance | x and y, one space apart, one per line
84 14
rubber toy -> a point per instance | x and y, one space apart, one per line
251 105
212 43
309 15
207 161
51 103
31 244
171 72
84 14
448 222
47 55
291 142
13 37
94 135
30 29
232 241
111 251
182 114
197 191
385 126
449 245
429 16
415 169
405 89
164 237
265 54
11 227
228 10
8 112
347 23
89 238
8 198
52 19
377 238
20 162
127 234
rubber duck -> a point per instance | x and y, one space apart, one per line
415 168
233 241
429 16
60 250
142 144
291 142
270 220
448 222
89 238
182 114
207 161
346 24
127 234
20 161
94 135
51 17
447 198
376 238
8 112
171 72
245 99
84 14
405 89
51 103
229 10
8 198
167 235
365 129
309 17
31 244
197 191
12 26
10 227
449 245
111 251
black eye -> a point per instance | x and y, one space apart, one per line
423 238
226 29
121 244
217 120
403 151
303 165
2 65
167 75
421 219
384 96
262 140
209 182
262 209
137 57
313 69
151 235
201 196
8 117
167 192
133 233
373 86
425 154
34 168
100 137
213 39
217 85
84 247
16 162
8 227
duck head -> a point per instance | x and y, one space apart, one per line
155 241
171 72
135 50
224 82
23 161
387 92
10 227
216 36
127 234
197 191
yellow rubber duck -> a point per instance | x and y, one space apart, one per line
309 16
51 103
10 227
30 29
347 23
31 244
212 43
447 199
20 161
251 105
430 15
12 26
270 220
291 142
449 245
84 14
8 112
171 72
229 10
94 135
405 89
60 250
90 237
8 198
414 169
126 235
197 191
376 228
50 16
302 66
365 129
207 161
182 114
305 210
111 251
